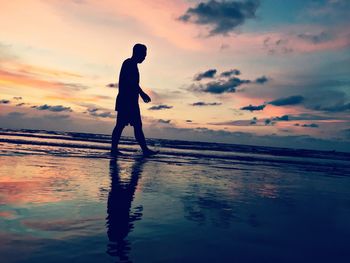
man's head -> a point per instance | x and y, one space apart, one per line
139 52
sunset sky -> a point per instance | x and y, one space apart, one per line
268 72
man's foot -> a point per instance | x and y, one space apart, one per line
149 152
115 153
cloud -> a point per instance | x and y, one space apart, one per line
32 80
99 113
91 110
57 108
221 86
309 117
292 100
316 38
254 108
222 17
226 83
230 72
312 125
234 123
268 121
335 108
112 85
105 114
164 121
207 74
17 98
4 101
282 118
277 46
189 121
57 116
20 104
261 80
15 114
160 107
201 103
253 121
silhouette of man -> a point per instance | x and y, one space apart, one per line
127 102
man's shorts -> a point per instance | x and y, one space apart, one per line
132 118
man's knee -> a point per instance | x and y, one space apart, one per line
120 126
138 130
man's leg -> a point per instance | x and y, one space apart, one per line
117 132
140 137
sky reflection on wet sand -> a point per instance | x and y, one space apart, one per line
87 209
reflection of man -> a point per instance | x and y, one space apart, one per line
127 103
120 218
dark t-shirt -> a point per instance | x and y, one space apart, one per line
128 95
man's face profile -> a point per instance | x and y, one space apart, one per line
139 53
141 56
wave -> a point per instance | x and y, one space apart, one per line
97 146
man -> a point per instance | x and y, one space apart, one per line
127 103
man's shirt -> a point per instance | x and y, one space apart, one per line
128 95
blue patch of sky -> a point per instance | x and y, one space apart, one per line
274 14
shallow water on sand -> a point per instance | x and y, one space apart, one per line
76 205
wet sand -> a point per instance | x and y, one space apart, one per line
77 205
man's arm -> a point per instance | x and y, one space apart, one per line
144 96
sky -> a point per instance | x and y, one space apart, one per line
258 72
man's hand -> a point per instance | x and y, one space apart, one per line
145 97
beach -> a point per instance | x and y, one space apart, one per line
62 198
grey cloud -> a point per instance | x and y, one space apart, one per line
230 73
254 108
15 114
282 118
207 74
201 103
227 84
98 113
106 114
268 121
219 87
92 110
57 116
222 16
254 121
160 107
334 108
234 123
316 38
292 100
261 80
279 46
309 117
164 121
312 125
56 108
4 101
112 85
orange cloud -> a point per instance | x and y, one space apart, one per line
46 72
10 78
